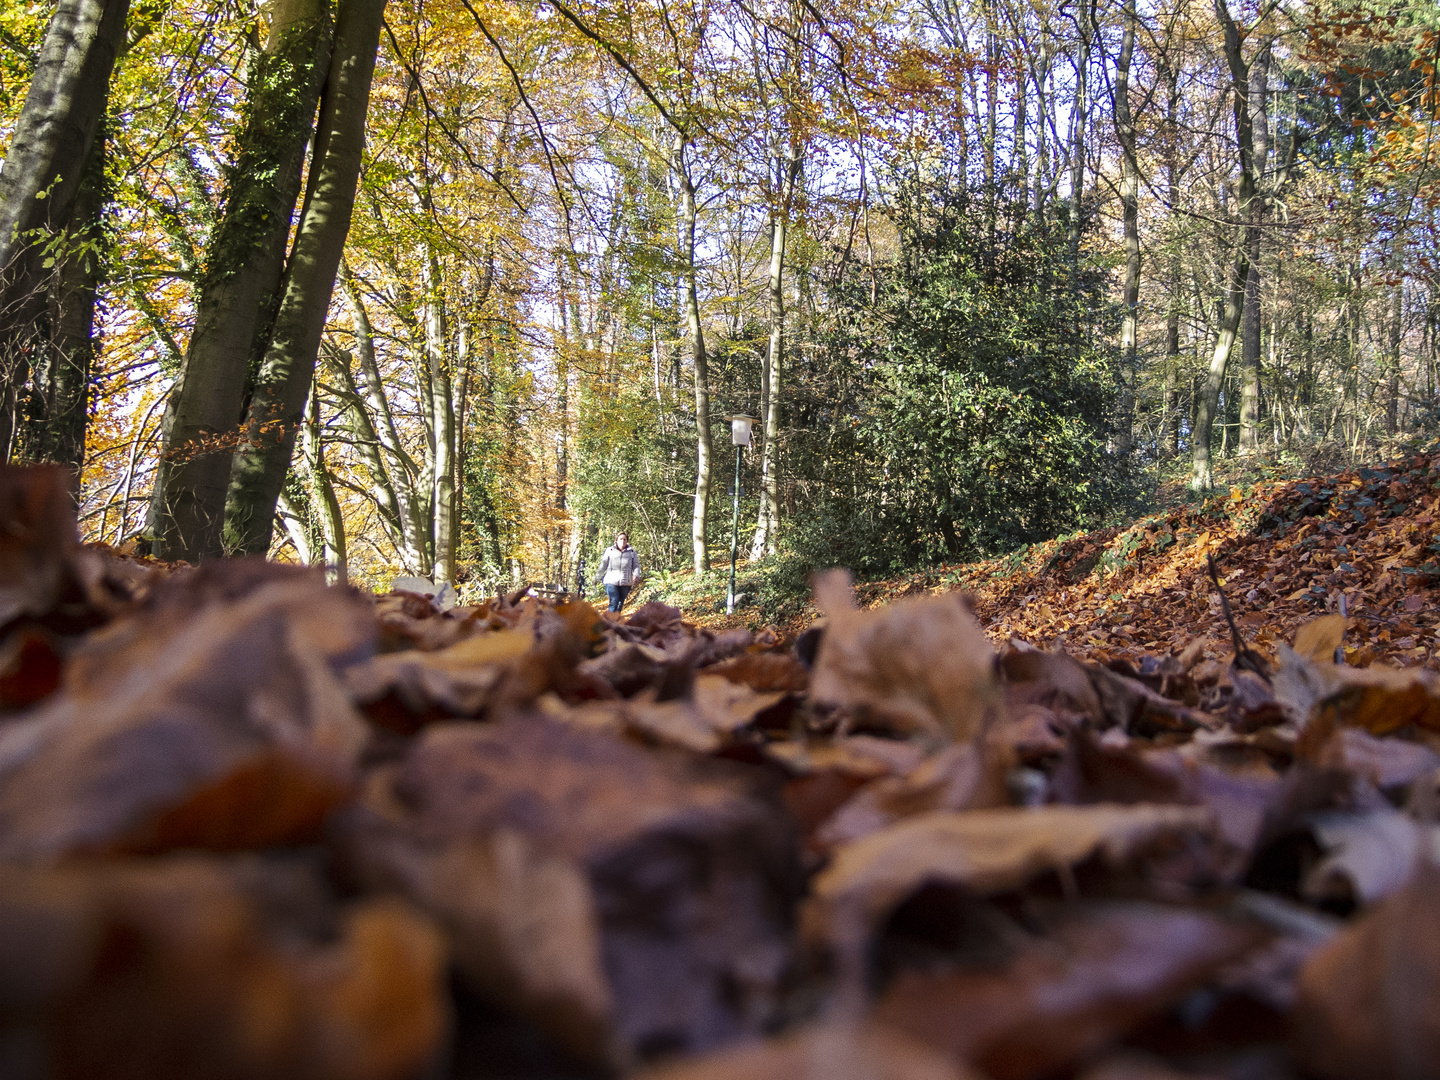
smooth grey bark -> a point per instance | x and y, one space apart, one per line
43 170
1250 335
699 534
243 268
401 471
1392 357
322 493
257 473
1130 208
442 397
1202 478
1079 117
767 525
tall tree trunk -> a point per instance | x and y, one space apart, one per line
442 408
1392 358
1175 299
399 467
322 491
1250 340
699 521
43 173
1202 478
258 471
1078 121
1130 206
767 524
1171 428
242 274
57 414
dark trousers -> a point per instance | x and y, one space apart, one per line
617 594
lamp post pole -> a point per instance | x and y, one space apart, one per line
740 425
734 536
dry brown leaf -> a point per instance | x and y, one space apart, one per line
220 727
703 722
1319 638
965 776
863 757
1375 853
832 1052
1053 680
1369 1001
1377 698
1099 972
1133 1065
626 900
765 671
194 969
1387 763
454 681
919 665
988 851
38 539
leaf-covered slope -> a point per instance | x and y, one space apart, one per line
1287 552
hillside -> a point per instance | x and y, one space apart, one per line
1287 551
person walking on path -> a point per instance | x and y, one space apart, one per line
619 570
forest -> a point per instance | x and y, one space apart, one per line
456 289
1078 717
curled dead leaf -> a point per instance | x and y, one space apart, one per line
832 1052
1319 638
986 851
220 727
624 899
1096 973
919 665
1369 1002
193 968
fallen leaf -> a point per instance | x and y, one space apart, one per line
191 968
1368 1006
764 671
218 727
965 776
1319 638
988 851
38 540
625 900
1099 971
1375 853
832 1052
1378 699
920 665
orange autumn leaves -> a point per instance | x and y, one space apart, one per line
327 823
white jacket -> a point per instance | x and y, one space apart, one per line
619 567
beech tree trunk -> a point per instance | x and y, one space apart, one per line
43 172
699 533
56 409
394 474
767 525
442 408
1250 350
322 492
1130 207
1202 478
242 274
282 385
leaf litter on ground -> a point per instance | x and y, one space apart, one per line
255 826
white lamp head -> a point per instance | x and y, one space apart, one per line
740 425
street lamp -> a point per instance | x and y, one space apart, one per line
740 425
